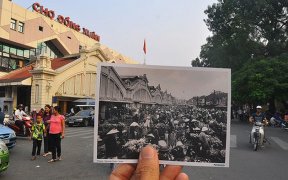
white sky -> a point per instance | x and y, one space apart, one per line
174 30
183 83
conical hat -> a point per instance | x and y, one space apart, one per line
134 124
151 135
196 129
186 120
204 129
179 143
163 145
176 122
113 131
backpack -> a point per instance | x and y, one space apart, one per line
37 133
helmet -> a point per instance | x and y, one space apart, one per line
258 107
20 105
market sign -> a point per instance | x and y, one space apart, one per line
64 20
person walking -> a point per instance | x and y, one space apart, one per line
37 131
2 116
46 116
56 133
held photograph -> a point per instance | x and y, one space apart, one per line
183 112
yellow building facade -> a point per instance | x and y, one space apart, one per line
47 58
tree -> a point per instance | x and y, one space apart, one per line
263 80
244 28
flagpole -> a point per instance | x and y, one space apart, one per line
144 50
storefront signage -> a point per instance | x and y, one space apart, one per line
64 20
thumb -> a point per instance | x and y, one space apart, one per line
148 164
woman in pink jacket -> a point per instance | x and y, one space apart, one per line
56 133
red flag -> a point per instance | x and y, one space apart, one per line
144 46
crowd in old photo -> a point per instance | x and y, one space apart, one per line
178 132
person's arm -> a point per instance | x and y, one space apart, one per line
18 115
63 127
44 130
251 119
23 113
32 131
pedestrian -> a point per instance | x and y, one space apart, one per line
34 115
111 147
2 116
172 139
46 116
56 133
37 131
166 136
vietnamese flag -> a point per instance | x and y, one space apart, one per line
144 46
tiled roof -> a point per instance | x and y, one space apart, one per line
23 73
17 75
60 62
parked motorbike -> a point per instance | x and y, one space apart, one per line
11 123
257 138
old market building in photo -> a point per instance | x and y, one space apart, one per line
47 58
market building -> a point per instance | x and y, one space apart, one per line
129 90
47 58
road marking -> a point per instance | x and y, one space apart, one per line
88 137
79 134
73 132
233 141
281 143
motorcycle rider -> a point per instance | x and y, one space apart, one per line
19 114
258 116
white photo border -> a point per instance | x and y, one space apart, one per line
182 163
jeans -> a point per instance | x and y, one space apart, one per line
36 146
55 142
46 144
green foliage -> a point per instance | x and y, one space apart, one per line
243 29
261 80
249 37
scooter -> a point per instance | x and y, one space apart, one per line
27 124
257 138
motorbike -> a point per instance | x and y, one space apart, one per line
27 124
257 138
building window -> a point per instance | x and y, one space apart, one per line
13 51
2 91
13 24
21 27
41 28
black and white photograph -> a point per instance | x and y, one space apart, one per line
183 112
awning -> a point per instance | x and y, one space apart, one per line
20 82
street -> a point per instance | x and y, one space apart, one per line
77 149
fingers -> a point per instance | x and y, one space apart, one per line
148 165
122 172
182 176
170 172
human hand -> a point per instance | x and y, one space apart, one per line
62 136
147 169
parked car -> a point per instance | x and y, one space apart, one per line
4 156
8 136
82 118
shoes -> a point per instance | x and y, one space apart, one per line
33 158
59 159
52 160
46 154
